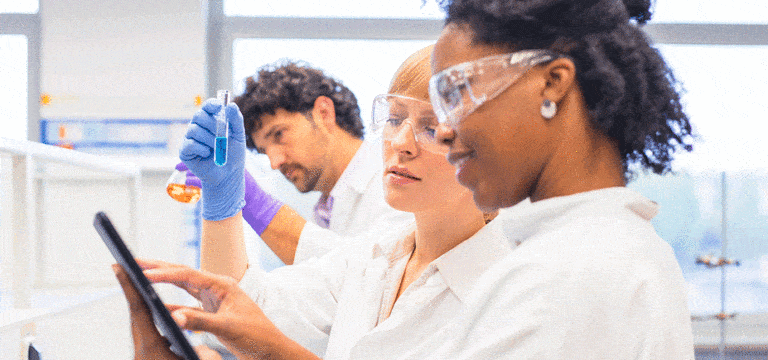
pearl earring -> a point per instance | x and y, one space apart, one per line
548 109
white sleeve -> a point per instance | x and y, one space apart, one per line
301 299
315 242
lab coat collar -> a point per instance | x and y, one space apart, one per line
461 266
397 246
361 170
525 219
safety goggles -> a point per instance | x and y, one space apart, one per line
394 113
459 90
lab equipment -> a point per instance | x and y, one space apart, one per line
260 207
459 90
183 185
224 185
222 130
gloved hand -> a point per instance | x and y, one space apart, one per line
191 180
223 186
260 208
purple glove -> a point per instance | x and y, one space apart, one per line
260 208
192 180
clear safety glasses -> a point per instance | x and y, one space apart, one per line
459 90
391 114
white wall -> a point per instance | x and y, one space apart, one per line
110 59
126 59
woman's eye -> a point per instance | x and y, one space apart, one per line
394 121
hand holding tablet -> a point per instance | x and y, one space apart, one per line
141 285
227 312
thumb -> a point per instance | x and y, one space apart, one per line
200 320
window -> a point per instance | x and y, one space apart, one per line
379 9
358 64
711 11
724 98
717 201
13 86
19 68
20 7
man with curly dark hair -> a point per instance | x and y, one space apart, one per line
309 126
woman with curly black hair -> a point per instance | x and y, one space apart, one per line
595 66
551 100
561 102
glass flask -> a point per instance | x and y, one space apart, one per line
182 190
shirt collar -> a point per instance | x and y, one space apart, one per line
391 249
362 169
462 266
521 221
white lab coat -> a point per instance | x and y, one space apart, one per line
343 299
360 211
575 277
359 216
589 279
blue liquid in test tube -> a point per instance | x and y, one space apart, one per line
220 156
222 130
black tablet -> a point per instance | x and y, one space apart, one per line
163 320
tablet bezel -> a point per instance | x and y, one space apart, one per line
162 317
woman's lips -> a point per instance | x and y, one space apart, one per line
401 176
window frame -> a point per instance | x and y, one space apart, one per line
29 26
221 32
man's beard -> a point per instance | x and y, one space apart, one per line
308 181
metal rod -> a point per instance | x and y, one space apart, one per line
723 255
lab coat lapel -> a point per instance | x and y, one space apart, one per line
343 206
358 307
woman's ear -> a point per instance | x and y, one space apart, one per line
324 113
560 76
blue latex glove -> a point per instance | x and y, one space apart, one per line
223 186
260 207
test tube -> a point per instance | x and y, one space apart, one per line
222 130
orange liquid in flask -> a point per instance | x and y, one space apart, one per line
184 193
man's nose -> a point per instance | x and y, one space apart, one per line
445 135
276 157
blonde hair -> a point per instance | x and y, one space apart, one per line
412 77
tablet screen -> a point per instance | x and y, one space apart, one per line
163 320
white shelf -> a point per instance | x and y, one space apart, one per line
63 300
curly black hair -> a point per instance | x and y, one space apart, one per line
630 92
294 87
